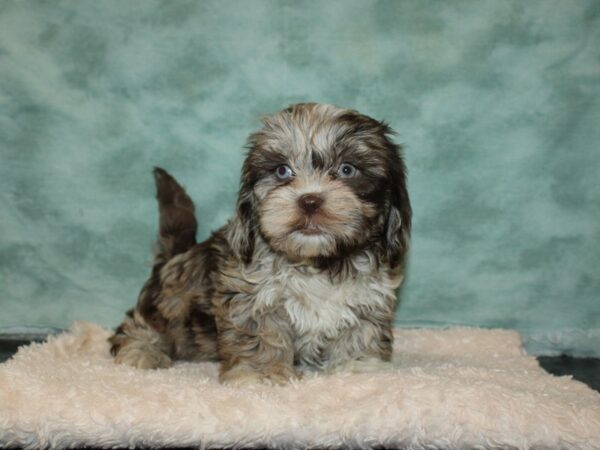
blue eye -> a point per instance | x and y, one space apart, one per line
346 170
283 172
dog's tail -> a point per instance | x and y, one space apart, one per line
177 221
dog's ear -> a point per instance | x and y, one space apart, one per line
396 234
242 228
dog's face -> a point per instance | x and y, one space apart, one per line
321 182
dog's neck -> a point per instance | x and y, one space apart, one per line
347 263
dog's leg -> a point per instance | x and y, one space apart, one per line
138 344
364 348
255 349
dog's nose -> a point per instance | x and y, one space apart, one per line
310 203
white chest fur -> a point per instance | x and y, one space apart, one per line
316 306
320 310
320 306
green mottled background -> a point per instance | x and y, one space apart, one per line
497 103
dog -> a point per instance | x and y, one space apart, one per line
303 277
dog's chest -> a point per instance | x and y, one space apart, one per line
315 306
320 308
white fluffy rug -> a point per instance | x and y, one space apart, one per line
450 389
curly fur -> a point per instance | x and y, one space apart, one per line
283 286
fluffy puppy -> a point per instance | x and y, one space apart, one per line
304 275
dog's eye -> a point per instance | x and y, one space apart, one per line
346 170
283 172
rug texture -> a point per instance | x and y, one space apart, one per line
450 389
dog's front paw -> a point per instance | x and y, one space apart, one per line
368 365
274 375
280 374
142 357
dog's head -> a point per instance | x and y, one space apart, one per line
322 182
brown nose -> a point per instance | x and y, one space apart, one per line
310 203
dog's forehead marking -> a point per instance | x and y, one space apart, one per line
304 131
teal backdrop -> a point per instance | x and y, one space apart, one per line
496 102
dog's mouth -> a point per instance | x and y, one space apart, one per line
309 229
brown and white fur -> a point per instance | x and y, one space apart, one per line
303 277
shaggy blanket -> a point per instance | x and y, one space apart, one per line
451 389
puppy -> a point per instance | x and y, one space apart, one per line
303 277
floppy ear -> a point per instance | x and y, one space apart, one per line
396 234
242 228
